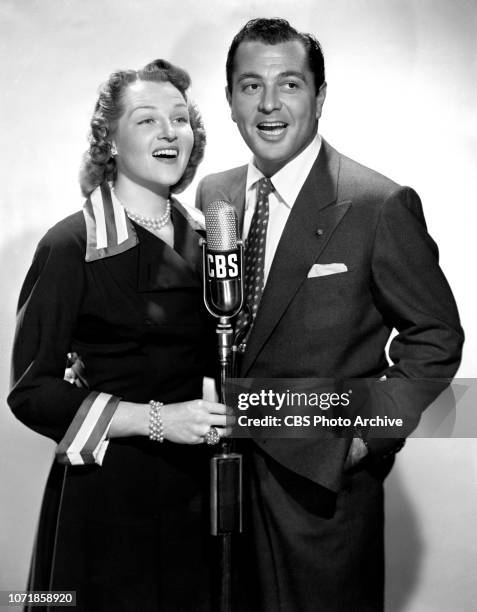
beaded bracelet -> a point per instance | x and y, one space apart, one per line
156 427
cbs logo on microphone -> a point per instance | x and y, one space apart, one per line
223 265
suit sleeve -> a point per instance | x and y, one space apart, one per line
48 308
414 297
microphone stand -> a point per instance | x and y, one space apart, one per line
226 480
226 465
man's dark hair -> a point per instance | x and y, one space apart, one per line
273 32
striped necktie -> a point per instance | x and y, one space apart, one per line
254 262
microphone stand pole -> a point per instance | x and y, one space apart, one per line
226 465
226 481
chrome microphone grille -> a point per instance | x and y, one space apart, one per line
221 226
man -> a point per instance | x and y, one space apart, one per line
347 258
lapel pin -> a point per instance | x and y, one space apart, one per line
319 232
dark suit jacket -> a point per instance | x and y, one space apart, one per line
337 326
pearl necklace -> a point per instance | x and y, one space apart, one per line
154 223
151 223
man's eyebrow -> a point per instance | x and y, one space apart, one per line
249 75
295 73
286 73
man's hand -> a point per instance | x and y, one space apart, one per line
357 451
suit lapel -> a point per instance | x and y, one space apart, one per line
237 195
313 218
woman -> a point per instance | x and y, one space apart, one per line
124 523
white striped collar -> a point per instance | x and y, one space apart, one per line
109 230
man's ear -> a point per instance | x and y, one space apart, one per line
320 99
228 95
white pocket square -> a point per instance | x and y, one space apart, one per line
326 269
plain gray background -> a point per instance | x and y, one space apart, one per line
401 99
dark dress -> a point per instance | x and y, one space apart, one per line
132 533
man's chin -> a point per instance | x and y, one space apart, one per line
269 164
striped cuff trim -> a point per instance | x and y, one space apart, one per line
85 440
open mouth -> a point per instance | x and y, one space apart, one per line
165 153
272 128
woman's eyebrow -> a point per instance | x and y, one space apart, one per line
142 107
152 107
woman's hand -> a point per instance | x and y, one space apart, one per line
184 422
188 422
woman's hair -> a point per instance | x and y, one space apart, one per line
99 164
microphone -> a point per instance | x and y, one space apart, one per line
222 261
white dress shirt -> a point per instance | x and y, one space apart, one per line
287 182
